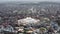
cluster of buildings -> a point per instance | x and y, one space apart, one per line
34 26
31 19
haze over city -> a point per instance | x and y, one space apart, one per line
31 0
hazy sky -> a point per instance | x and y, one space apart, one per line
30 0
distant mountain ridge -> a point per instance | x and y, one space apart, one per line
45 2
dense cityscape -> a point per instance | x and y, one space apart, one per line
30 18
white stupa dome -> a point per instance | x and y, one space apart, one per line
28 20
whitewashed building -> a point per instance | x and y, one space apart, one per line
28 20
